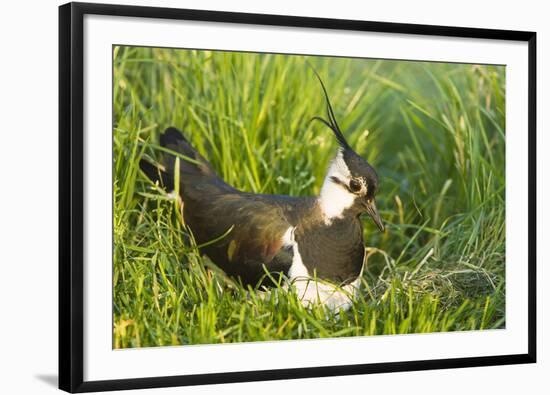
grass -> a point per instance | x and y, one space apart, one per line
434 132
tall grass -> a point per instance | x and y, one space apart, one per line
434 132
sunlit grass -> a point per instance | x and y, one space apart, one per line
434 132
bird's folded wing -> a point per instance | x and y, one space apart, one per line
255 232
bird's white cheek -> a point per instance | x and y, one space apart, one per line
334 198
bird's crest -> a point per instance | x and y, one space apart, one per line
332 124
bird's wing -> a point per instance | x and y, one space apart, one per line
254 229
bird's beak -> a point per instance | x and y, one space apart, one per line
374 214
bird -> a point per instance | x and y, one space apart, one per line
314 242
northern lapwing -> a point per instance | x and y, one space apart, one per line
315 241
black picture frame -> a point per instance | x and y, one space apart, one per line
71 198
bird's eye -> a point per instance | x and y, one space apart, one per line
354 186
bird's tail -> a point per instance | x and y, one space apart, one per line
191 163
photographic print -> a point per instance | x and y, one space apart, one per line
267 197
359 195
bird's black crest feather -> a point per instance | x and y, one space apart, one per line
332 124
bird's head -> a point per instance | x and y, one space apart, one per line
351 183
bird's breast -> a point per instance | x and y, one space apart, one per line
334 252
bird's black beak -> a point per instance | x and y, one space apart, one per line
370 205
